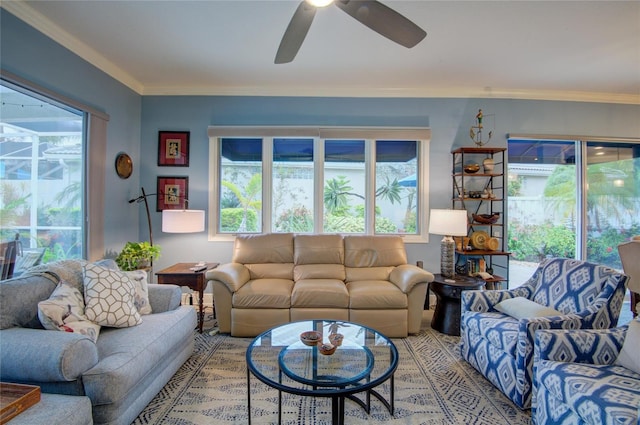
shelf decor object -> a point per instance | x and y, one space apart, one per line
476 131
448 223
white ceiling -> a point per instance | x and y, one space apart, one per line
561 50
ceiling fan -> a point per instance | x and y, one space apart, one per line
371 13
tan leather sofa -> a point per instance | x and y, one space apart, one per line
279 278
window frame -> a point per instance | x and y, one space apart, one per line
422 135
94 153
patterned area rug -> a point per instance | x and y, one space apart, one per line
433 385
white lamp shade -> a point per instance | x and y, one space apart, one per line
320 3
448 222
182 221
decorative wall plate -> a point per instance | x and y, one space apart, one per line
124 165
479 238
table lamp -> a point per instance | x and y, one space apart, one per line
448 223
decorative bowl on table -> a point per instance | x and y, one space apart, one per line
327 349
311 338
486 218
471 168
336 339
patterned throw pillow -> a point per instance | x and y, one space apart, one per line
141 299
628 356
109 297
64 311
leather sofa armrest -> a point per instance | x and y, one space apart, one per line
232 275
38 355
407 276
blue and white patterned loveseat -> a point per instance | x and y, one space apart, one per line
501 347
576 380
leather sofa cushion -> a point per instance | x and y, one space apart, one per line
318 249
374 251
270 271
267 248
367 273
264 293
324 293
372 295
319 271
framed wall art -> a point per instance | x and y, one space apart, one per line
173 193
173 148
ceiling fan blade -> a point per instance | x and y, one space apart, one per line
295 32
384 21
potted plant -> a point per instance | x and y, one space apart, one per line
137 255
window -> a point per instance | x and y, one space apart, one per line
572 198
311 180
41 175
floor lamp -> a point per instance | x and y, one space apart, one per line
448 223
173 221
182 221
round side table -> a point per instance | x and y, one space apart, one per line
446 317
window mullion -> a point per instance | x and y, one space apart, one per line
267 184
370 186
318 185
581 200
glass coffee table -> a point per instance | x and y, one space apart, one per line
364 360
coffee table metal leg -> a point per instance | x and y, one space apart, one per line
279 407
337 410
249 396
392 392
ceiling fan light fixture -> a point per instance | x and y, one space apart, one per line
319 3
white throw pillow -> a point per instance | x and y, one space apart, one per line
524 308
628 356
64 311
109 297
141 299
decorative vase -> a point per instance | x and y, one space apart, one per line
488 165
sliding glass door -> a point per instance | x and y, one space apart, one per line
571 198
41 178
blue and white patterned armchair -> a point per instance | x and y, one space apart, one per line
576 381
500 347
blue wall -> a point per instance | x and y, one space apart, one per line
136 120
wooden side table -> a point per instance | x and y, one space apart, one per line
446 317
181 275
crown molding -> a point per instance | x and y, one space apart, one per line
424 92
41 23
